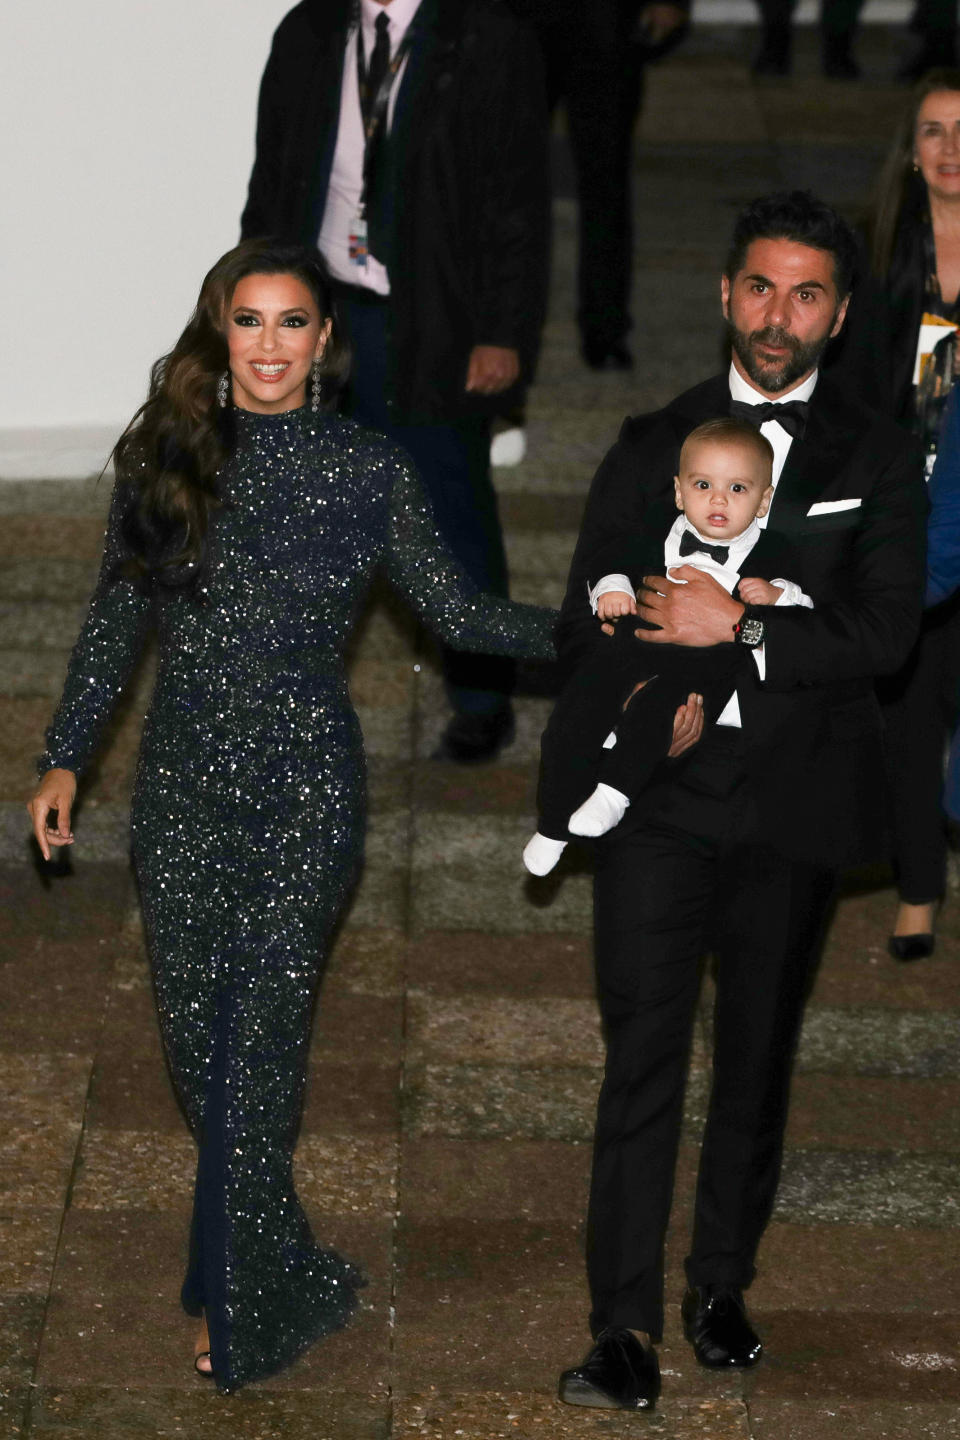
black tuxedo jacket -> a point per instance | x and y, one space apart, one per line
813 728
469 172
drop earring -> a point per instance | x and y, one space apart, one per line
223 389
316 386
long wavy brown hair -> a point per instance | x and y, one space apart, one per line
901 194
174 447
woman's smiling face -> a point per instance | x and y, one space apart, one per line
936 143
274 332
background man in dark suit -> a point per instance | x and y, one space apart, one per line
412 147
594 56
736 849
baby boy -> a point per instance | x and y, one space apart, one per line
629 691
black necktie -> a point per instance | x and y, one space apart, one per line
376 143
691 544
791 414
380 59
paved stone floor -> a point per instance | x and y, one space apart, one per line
457 1053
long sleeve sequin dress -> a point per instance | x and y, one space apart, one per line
248 821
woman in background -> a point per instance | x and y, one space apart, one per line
246 524
914 282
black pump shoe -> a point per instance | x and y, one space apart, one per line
911 947
715 1322
618 1374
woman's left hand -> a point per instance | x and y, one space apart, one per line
56 794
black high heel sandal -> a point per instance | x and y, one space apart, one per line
199 1355
203 1355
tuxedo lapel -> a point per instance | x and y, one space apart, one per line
813 462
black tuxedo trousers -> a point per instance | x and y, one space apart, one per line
697 878
736 855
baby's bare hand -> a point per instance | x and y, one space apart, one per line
615 603
759 592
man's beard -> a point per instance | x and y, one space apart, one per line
776 375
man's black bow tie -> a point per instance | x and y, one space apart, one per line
691 544
791 414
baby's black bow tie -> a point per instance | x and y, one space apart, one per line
791 414
691 544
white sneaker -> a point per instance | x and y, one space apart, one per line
509 447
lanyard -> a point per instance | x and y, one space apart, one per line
373 108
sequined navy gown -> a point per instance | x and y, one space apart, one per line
248 821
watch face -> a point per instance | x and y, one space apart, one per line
751 631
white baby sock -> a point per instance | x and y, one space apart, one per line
605 808
540 854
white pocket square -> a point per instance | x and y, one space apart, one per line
830 507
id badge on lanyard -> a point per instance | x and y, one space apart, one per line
373 109
358 250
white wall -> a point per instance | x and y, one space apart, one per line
126 143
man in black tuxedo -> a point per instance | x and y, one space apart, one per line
408 140
735 850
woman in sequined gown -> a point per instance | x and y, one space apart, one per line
247 532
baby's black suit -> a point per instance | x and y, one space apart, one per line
591 705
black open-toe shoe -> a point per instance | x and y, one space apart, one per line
203 1355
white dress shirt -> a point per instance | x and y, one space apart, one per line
728 574
780 439
346 173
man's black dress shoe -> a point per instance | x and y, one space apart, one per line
607 355
715 1322
618 1374
468 739
911 947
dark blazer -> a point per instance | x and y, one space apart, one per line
813 726
468 255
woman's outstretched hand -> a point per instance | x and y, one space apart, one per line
57 791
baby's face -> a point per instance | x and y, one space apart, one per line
722 486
